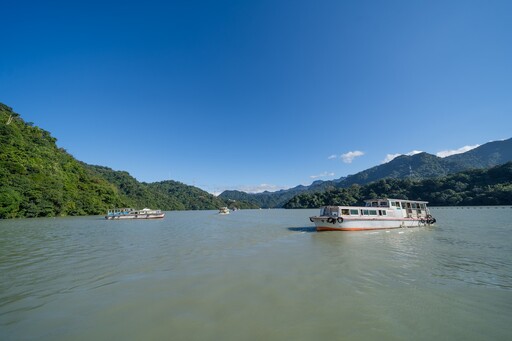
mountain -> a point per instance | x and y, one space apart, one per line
418 166
38 179
492 186
166 195
425 166
265 199
487 155
279 198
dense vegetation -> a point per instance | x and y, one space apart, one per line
166 195
38 179
474 187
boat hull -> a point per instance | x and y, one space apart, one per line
330 224
135 216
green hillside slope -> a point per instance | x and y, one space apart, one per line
38 179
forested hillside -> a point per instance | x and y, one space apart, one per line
38 179
474 187
167 195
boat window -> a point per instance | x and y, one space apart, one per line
398 204
413 205
383 204
393 203
404 205
375 204
384 213
331 211
354 212
373 212
364 212
344 211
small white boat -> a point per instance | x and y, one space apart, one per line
376 214
130 213
223 210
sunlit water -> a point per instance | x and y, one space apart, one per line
256 275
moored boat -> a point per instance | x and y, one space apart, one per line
376 214
130 213
223 210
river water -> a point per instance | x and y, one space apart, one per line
256 275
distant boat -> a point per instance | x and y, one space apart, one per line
223 210
376 214
130 213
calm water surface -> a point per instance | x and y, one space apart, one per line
256 275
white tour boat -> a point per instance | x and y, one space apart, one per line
376 214
224 210
130 213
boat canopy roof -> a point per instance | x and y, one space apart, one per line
401 200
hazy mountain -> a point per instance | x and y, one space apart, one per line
278 199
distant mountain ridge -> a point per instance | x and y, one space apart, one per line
279 198
418 166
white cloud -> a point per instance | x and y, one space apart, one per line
323 175
348 157
464 149
261 188
249 188
332 157
390 157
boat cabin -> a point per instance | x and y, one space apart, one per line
120 211
380 208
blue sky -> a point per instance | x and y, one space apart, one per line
258 95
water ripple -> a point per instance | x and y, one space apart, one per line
200 274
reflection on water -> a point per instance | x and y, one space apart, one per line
255 274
